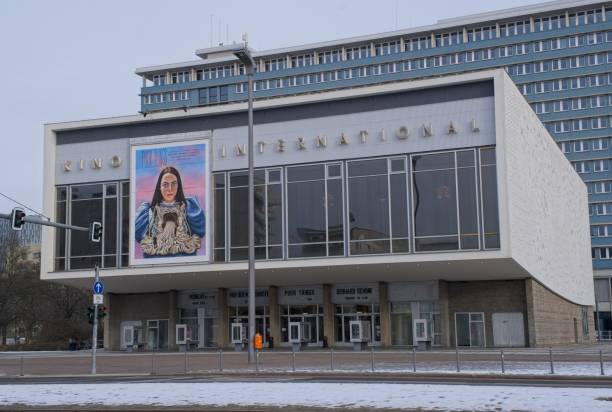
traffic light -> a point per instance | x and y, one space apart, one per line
90 314
101 312
17 218
95 231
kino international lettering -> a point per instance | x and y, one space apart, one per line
300 143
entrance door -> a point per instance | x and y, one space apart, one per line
201 329
128 336
508 329
469 329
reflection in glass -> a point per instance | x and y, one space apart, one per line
435 204
489 199
468 203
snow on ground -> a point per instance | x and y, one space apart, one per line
472 367
481 367
352 395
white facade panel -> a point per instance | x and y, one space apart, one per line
548 219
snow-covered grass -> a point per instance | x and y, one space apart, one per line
476 367
351 395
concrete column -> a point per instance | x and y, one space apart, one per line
531 326
445 316
385 315
343 53
567 18
112 323
173 319
315 57
402 45
603 13
275 332
372 49
465 35
288 63
433 40
497 31
531 24
222 319
328 316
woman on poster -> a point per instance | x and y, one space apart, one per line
172 224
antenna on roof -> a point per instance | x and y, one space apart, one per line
396 12
211 30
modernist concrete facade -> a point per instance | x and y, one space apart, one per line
442 204
558 54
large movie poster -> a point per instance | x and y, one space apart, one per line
169 203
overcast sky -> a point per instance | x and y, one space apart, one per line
74 60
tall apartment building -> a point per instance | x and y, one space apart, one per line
559 55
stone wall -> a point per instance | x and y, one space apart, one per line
554 320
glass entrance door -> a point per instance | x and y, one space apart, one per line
401 324
157 334
310 318
346 313
240 314
469 329
207 327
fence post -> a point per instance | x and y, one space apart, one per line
503 366
331 351
601 364
413 359
372 358
21 366
220 360
293 360
152 363
552 366
457 358
185 362
257 360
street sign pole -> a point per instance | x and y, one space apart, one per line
94 340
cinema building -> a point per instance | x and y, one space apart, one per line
437 212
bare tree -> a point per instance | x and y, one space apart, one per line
10 257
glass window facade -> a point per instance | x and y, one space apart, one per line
399 204
443 201
79 205
315 225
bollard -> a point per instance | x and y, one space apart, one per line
220 360
331 351
293 361
502 362
601 364
257 360
413 359
457 358
552 366
21 367
152 363
372 358
185 362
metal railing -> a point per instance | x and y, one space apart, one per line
590 361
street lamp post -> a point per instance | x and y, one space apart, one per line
244 55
